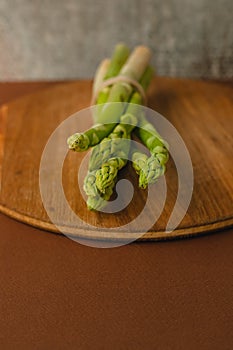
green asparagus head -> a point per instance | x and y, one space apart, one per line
99 201
139 160
161 155
106 176
78 142
95 203
150 173
89 184
149 169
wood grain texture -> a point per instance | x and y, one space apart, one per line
202 112
3 118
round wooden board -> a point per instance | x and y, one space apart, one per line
202 112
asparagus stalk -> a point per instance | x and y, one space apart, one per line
150 168
113 150
90 184
102 94
96 200
100 74
81 141
99 201
109 148
108 70
120 56
115 153
147 77
103 180
134 68
150 137
102 153
106 150
106 176
109 170
120 92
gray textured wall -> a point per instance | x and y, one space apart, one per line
67 38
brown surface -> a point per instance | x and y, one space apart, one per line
58 294
189 105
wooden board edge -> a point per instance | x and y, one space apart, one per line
104 235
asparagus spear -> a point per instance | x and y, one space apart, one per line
112 148
101 153
90 184
120 55
100 74
109 170
106 176
104 180
96 200
120 92
109 69
150 168
134 68
105 150
99 201
81 141
115 153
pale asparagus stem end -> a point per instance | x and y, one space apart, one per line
137 62
100 74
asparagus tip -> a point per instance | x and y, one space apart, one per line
95 203
78 142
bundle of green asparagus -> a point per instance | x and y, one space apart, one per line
123 79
